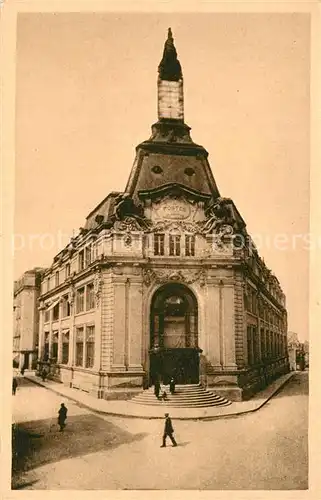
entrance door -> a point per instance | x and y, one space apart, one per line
174 335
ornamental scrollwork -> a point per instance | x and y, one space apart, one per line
188 277
98 283
180 226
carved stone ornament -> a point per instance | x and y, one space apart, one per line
180 226
127 240
150 276
98 283
71 296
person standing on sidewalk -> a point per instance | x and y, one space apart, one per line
62 416
168 431
14 386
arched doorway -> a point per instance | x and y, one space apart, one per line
174 335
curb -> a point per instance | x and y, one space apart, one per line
123 415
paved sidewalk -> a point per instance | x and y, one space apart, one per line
132 410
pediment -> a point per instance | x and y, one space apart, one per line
174 203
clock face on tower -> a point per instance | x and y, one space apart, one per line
170 100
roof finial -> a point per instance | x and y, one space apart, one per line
169 67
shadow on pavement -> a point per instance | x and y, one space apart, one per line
39 442
298 385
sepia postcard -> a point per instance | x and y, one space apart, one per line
160 249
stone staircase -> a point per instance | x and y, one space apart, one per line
185 396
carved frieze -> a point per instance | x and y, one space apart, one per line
175 226
187 276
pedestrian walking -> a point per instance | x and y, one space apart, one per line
157 388
168 431
14 385
44 375
172 385
62 416
22 371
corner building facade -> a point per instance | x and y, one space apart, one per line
163 279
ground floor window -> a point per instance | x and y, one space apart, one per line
65 348
79 346
54 347
46 347
90 346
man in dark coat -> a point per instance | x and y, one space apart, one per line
172 385
168 431
14 385
62 416
157 388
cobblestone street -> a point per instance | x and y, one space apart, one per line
267 449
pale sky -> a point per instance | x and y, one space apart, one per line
86 96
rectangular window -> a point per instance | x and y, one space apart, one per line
249 346
81 260
55 312
190 246
79 346
90 297
159 240
88 256
90 346
67 271
47 316
54 347
65 348
174 244
48 284
46 347
80 296
65 306
57 278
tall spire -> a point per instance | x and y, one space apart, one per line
169 68
170 84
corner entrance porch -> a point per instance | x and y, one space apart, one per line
174 335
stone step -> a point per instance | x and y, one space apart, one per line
185 396
177 397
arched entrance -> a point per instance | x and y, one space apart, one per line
174 335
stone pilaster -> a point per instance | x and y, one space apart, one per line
212 347
135 325
120 324
239 311
228 325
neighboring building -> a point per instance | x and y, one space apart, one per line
26 292
164 279
298 352
293 349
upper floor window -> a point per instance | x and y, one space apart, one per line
189 245
88 256
80 295
55 312
90 296
81 262
65 306
48 284
159 240
67 270
174 244
57 278
47 315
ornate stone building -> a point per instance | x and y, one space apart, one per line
26 291
163 279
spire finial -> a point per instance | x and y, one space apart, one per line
169 68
